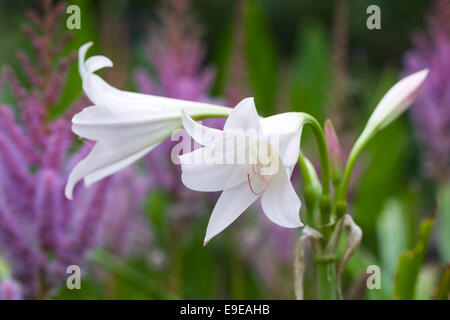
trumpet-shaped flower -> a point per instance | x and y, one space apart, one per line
251 158
125 125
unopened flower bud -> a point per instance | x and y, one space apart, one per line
334 152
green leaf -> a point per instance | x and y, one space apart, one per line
356 268
156 209
410 262
443 289
262 57
443 217
392 238
426 282
196 260
5 270
133 276
311 74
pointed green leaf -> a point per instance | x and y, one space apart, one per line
311 71
443 217
262 57
443 288
410 262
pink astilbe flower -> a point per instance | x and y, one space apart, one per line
121 207
41 232
176 53
237 82
10 290
430 112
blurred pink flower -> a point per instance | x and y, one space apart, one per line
41 232
431 112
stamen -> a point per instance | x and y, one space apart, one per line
251 188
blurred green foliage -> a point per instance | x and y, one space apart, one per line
443 216
410 262
311 71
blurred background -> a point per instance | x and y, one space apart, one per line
139 233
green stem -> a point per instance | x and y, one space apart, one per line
325 200
336 193
237 270
176 261
326 272
341 201
323 152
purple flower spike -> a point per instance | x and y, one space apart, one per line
47 216
10 290
41 232
56 145
177 54
431 112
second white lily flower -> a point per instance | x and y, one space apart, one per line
265 176
125 125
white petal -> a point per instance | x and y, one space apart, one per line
108 170
81 58
215 167
100 123
243 117
103 94
96 63
283 123
396 100
288 146
202 134
285 129
280 202
211 177
231 204
106 158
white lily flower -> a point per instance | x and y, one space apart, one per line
125 125
395 102
243 183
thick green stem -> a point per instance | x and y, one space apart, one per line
323 153
325 201
341 201
326 273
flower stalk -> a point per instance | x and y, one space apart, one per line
326 263
325 199
326 272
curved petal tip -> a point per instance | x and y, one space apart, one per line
81 57
68 191
93 63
